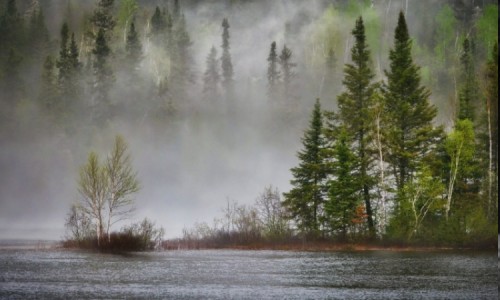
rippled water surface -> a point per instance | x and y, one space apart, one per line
52 274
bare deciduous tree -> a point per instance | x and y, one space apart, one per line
122 183
93 188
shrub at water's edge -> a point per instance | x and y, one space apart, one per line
143 236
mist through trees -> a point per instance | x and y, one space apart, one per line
214 97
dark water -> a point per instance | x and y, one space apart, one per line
53 274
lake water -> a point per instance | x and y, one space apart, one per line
224 274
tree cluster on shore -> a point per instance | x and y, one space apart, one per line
379 169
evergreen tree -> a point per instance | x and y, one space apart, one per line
177 10
158 23
343 188
287 72
468 92
180 58
355 113
133 48
68 79
329 80
11 31
273 74
48 95
305 201
227 65
12 83
211 78
103 16
38 34
411 135
103 78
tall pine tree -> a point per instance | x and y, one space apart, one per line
468 92
273 73
355 113
411 134
211 78
287 66
227 65
133 49
305 201
103 78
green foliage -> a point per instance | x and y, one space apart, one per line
469 91
445 33
420 198
487 26
303 202
325 36
126 12
460 146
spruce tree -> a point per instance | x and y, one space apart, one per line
157 22
12 83
211 78
103 16
227 65
343 188
48 95
11 31
355 113
287 66
305 201
468 92
133 48
103 78
38 35
180 58
273 74
411 135
68 78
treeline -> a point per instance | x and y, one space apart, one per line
131 60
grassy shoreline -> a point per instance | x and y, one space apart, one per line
321 246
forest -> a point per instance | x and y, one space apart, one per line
356 120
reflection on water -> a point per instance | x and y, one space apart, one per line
52 274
